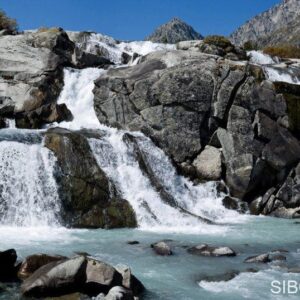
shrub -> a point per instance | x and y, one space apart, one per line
218 40
250 45
7 23
283 51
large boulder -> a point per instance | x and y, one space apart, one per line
80 275
208 164
215 118
56 278
88 198
31 73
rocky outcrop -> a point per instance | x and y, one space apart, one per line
88 198
92 49
31 76
279 25
173 32
215 45
187 101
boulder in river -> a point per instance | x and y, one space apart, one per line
162 248
79 275
206 250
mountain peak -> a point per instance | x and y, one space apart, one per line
174 31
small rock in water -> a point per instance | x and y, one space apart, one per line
133 242
207 250
262 258
162 248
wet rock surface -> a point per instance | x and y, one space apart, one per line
214 251
89 199
162 248
216 119
80 277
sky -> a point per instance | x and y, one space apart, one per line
134 19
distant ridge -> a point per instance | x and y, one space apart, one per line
278 25
173 32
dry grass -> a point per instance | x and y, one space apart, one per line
217 40
283 51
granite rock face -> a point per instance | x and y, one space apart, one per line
278 25
31 75
188 101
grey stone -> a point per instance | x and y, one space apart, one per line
56 278
162 248
208 163
262 258
206 250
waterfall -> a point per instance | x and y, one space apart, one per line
118 160
28 190
78 95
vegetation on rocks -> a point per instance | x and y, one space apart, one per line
218 40
7 23
283 51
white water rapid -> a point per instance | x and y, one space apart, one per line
113 50
274 70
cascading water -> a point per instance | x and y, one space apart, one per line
118 160
28 191
78 95
273 70
97 43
